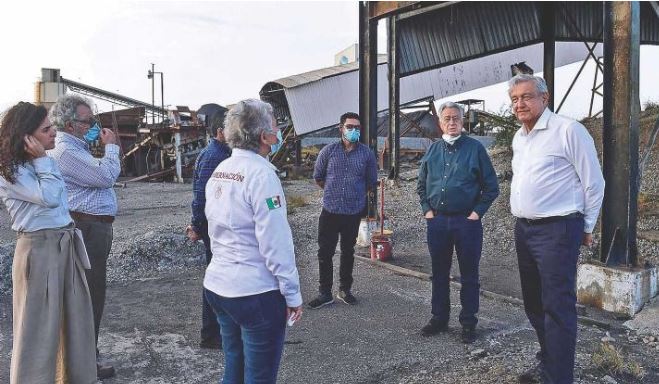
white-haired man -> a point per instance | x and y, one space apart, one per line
556 194
89 182
457 185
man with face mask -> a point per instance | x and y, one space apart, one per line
344 170
457 184
91 199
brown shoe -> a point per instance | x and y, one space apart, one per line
104 371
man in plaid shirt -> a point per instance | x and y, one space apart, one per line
345 170
209 158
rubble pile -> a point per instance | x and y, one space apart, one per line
155 251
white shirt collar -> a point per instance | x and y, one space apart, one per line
541 123
251 154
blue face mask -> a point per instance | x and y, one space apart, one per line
93 133
275 147
352 135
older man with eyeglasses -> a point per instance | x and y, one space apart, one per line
556 194
89 181
457 185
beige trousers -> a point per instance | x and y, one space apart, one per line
53 320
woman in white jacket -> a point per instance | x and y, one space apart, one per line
53 328
252 282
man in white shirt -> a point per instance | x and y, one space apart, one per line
556 194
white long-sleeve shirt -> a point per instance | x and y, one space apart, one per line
556 171
251 240
37 198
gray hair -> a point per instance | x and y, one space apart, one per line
65 108
450 104
245 122
539 82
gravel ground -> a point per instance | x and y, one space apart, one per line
151 325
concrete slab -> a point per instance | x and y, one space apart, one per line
620 290
646 322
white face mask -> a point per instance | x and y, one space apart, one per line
450 139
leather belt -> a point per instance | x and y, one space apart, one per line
550 219
86 216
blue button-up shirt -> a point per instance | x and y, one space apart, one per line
89 180
209 158
347 175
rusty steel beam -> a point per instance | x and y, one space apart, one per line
621 131
368 88
394 99
380 9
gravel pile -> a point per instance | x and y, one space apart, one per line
147 255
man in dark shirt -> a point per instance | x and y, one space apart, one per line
457 184
209 158
345 170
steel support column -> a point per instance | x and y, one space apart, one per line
549 43
368 87
621 130
394 98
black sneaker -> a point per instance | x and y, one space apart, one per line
533 375
468 334
346 297
104 371
321 301
211 344
434 327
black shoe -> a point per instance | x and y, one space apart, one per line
211 344
434 327
468 334
322 300
104 371
533 375
346 297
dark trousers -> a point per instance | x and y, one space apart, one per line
253 331
97 237
210 329
330 227
547 255
444 234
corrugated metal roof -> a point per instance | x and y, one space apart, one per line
467 30
319 74
318 104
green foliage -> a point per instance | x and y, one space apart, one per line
504 124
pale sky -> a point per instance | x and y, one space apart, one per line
209 52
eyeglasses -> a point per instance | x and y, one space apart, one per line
448 119
525 98
351 126
89 122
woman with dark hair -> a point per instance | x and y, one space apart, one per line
53 326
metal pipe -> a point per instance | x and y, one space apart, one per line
153 93
368 91
394 98
620 133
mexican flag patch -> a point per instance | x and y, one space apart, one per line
273 202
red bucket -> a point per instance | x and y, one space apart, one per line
380 246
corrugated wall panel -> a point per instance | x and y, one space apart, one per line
468 30
317 105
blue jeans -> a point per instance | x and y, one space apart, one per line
444 234
253 330
547 255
